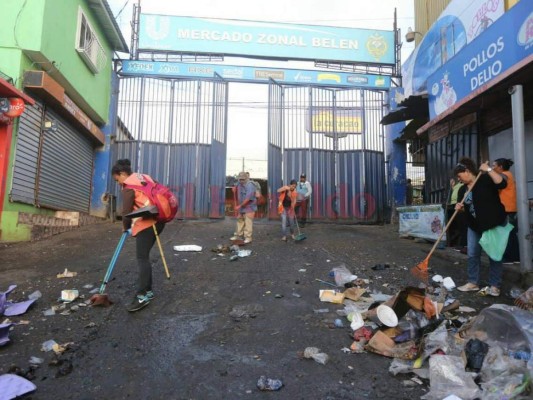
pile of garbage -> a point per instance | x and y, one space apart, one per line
424 330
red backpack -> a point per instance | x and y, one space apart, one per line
160 196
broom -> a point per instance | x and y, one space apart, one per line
420 271
300 236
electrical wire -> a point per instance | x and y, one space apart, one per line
122 9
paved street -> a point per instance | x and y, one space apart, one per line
185 344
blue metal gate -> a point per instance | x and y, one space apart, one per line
333 136
175 130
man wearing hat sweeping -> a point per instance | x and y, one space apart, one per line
304 191
246 207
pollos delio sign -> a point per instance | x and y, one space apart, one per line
505 44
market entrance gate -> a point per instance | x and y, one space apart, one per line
176 131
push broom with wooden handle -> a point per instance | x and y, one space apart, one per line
420 271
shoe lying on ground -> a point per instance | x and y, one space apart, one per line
489 291
468 287
235 238
139 302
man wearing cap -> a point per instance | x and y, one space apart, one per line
246 207
304 191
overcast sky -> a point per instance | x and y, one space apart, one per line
377 14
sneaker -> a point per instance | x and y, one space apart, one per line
235 238
138 303
469 287
150 295
246 241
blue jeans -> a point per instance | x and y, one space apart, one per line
287 214
474 262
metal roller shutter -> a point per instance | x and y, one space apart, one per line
66 168
26 155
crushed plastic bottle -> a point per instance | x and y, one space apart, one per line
268 384
35 295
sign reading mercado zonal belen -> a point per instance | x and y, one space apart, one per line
265 39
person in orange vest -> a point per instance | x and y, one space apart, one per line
508 199
140 228
286 205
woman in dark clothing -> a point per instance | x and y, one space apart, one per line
484 211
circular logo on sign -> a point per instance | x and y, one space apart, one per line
376 46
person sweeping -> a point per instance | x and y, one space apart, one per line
141 228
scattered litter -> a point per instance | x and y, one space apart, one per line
302 270
188 247
296 294
338 323
437 278
315 354
95 290
343 275
69 295
234 257
331 296
354 293
346 350
48 345
90 325
49 312
267 384
12 309
466 309
244 253
448 283
278 296
35 360
387 316
4 333
380 267
88 286
35 295
14 386
356 320
67 274
321 311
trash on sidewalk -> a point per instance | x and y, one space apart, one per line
342 275
4 333
244 253
69 295
354 293
380 267
525 300
48 345
14 386
188 247
67 274
10 309
268 384
331 296
315 354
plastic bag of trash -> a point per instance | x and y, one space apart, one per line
505 386
508 327
343 275
494 241
498 363
447 376
315 354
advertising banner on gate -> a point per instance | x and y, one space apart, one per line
265 39
326 120
425 221
238 73
459 24
505 44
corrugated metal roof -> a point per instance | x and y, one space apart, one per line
110 27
